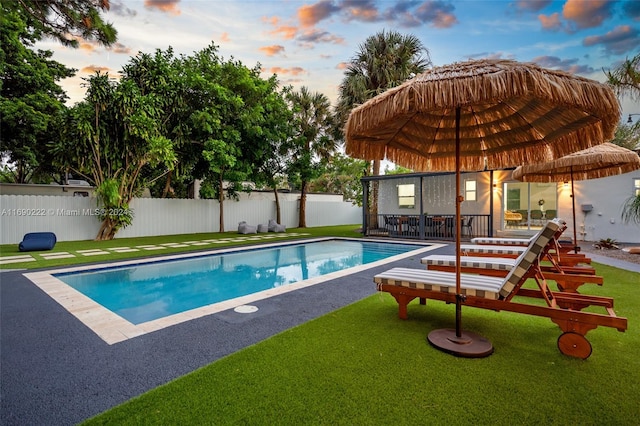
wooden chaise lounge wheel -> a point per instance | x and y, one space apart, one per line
574 344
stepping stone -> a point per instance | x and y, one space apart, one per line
16 259
124 249
58 255
92 252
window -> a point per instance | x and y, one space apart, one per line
636 187
513 199
406 196
470 190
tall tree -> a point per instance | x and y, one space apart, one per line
313 140
383 61
272 156
114 133
67 21
31 101
625 78
341 175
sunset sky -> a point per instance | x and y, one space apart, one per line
308 43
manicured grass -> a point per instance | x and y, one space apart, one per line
73 247
362 365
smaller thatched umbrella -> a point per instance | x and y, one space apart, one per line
596 162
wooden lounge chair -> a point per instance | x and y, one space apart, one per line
500 267
495 293
567 278
554 252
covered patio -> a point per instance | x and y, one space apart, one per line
422 205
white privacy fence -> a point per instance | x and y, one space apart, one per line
74 218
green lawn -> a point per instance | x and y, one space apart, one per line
73 247
362 365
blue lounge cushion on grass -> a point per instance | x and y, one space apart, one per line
38 241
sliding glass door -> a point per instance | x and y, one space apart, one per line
528 205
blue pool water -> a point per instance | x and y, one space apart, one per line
149 291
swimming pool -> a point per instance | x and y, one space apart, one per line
135 297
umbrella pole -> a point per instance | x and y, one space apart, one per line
576 249
456 342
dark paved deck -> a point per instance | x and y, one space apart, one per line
55 371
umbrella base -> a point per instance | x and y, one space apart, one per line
468 345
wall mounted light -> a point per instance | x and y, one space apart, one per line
495 184
566 185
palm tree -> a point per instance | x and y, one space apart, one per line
625 80
314 140
383 61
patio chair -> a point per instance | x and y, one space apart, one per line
554 253
274 226
536 217
245 228
568 278
496 293
392 224
466 226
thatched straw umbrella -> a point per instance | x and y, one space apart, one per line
480 115
596 162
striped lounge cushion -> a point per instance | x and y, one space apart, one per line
526 259
471 284
445 282
492 249
503 241
495 263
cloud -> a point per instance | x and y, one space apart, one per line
319 36
621 39
578 15
310 15
91 69
587 13
531 5
437 13
365 11
294 71
166 6
342 66
272 50
224 37
287 32
120 9
568 65
119 48
551 22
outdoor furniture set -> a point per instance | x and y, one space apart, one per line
483 289
272 226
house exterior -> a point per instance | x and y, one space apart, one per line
413 205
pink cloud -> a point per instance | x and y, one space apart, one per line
587 13
90 69
310 15
551 22
120 48
272 50
294 71
621 39
166 6
224 37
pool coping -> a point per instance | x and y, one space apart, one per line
113 329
